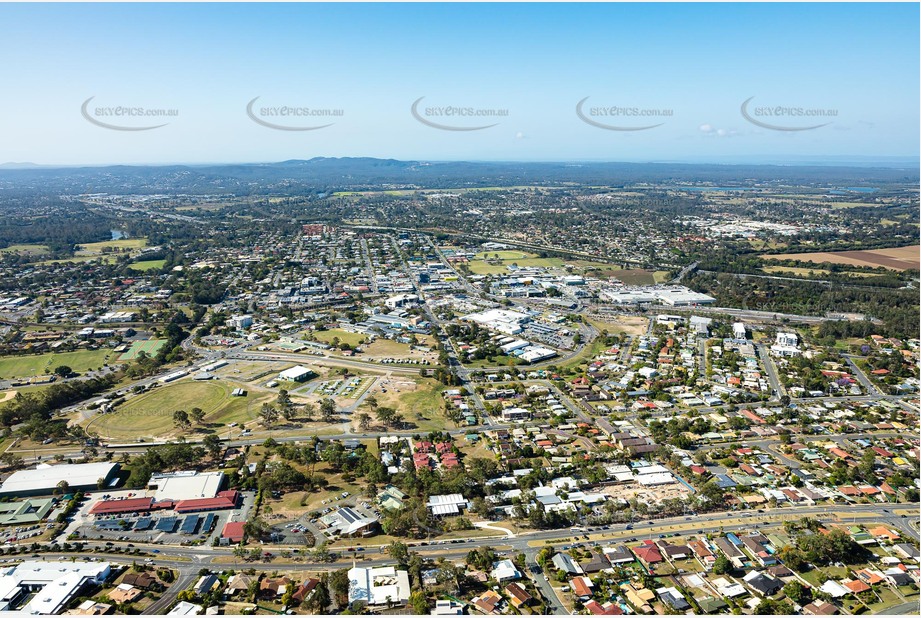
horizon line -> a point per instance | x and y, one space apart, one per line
758 160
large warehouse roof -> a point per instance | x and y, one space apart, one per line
45 478
186 485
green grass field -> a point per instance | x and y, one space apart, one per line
480 266
39 364
503 255
344 336
485 263
124 243
421 406
151 346
426 401
26 249
146 265
108 258
151 415
94 250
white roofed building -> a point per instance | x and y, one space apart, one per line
446 504
378 586
185 485
44 479
296 374
55 584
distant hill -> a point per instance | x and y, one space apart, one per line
324 173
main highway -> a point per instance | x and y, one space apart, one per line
188 561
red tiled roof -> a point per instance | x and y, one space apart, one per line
580 585
597 609
648 553
857 586
233 531
129 505
224 500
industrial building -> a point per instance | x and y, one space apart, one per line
296 374
672 296
185 485
501 320
44 479
446 504
681 296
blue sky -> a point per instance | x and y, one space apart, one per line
698 63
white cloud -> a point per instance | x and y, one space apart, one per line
709 129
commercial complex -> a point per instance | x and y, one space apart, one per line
45 479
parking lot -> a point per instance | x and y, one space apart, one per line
154 527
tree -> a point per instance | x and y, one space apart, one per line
11 460
269 414
181 419
283 400
364 420
399 552
385 414
419 603
793 558
867 466
334 454
713 493
256 528
339 586
798 593
212 444
197 415
287 412
321 553
722 565
481 507
62 487
319 599
328 410
63 371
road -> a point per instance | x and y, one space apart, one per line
777 388
554 605
191 559
684 272
865 382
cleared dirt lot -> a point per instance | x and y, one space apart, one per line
899 258
649 495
